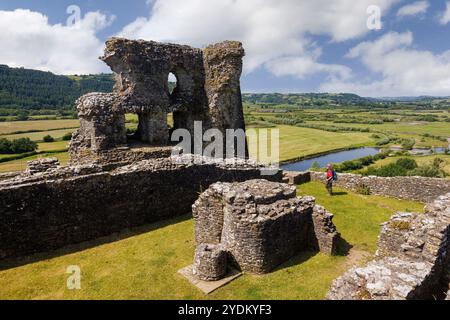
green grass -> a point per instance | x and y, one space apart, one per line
38 136
358 217
144 266
42 125
296 142
21 164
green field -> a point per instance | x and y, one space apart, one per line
296 142
12 127
21 164
143 264
38 136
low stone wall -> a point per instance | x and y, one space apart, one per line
66 205
408 188
412 260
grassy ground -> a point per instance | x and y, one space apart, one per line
21 164
144 266
298 142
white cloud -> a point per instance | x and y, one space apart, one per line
275 34
445 17
300 67
413 9
403 70
31 42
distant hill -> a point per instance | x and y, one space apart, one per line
31 89
326 100
307 99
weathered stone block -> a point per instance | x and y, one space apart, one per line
42 165
325 237
296 177
210 262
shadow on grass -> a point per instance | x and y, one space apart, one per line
296 260
340 193
342 249
117 236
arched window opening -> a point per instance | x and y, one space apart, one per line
172 82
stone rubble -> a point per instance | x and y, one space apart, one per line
412 260
42 165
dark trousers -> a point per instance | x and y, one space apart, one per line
330 187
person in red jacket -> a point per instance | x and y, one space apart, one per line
330 178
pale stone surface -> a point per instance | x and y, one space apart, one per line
209 286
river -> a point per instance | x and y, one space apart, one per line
334 157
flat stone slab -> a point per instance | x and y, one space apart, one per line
209 286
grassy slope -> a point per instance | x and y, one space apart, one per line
144 266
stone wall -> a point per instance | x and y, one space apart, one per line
261 224
408 188
412 260
67 205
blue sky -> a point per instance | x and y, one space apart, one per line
292 45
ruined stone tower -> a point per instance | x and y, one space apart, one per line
207 90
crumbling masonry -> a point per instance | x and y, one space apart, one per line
117 181
412 261
207 90
259 225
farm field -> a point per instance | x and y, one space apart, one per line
124 270
296 142
12 127
428 128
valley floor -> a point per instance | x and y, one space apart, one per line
143 264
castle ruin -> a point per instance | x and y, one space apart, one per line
207 90
115 180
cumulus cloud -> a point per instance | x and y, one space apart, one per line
445 17
413 9
30 41
277 35
403 70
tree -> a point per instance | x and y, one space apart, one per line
48 138
315 166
